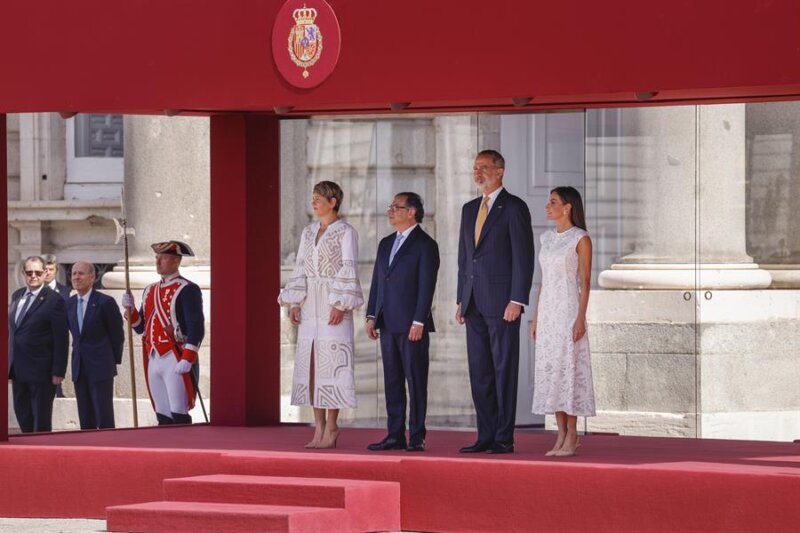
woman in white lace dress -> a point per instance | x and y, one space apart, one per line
563 369
321 295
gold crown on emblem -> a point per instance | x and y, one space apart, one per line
304 15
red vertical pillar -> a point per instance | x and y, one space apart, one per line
4 284
245 270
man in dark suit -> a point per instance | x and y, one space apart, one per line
50 274
495 272
37 348
400 299
97 338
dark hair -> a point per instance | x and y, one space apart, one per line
330 190
414 200
497 159
571 196
50 259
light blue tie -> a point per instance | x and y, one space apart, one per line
80 314
395 247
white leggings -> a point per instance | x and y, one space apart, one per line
166 387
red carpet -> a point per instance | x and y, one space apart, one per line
615 484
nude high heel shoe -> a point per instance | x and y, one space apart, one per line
568 453
315 442
329 440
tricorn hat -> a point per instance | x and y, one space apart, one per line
172 248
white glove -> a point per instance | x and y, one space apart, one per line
127 301
183 366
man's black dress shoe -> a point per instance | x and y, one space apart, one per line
388 443
478 447
499 447
416 447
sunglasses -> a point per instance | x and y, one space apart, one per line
34 273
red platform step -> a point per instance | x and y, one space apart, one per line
264 503
205 517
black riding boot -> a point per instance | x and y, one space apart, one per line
181 419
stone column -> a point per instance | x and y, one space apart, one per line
456 142
773 190
166 194
690 203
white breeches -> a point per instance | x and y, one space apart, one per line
166 387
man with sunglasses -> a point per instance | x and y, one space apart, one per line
38 340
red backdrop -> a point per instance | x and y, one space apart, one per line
150 55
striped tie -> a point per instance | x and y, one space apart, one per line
483 212
24 309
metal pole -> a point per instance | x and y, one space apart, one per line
199 396
130 328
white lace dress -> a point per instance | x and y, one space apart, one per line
325 275
563 368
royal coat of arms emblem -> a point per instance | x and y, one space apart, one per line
305 39
300 58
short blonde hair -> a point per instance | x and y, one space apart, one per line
330 190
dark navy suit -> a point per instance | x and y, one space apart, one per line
402 293
37 351
63 290
96 352
499 270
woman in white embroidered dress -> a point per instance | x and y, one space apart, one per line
321 295
563 369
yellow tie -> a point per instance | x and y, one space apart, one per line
483 212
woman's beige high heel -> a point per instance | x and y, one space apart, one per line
316 441
331 441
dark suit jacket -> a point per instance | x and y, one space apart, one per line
97 349
63 290
500 269
403 292
37 348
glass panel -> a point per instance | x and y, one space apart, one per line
640 204
344 151
637 171
542 151
749 243
449 395
374 159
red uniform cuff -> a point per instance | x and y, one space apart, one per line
189 355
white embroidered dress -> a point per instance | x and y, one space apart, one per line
563 368
325 275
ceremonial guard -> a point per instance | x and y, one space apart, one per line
171 323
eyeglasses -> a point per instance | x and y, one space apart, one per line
33 273
394 207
